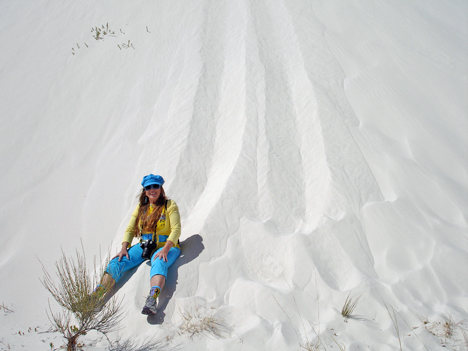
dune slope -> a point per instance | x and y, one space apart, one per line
315 150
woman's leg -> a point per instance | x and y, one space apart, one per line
158 280
159 269
116 268
107 282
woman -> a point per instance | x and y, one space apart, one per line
156 218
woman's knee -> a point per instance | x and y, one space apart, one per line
160 267
116 268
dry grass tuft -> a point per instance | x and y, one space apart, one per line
313 345
451 333
319 342
146 345
394 319
349 306
198 320
318 345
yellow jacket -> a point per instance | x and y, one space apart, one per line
168 227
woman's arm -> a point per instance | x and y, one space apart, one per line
128 236
129 232
174 219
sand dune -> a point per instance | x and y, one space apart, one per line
315 149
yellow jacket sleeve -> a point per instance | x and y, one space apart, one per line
128 236
174 220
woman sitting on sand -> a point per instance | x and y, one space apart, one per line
156 219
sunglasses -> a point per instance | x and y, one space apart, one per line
152 186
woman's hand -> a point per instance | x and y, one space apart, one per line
165 250
123 252
162 255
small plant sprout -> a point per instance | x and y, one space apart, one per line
349 306
127 45
100 32
5 309
97 33
5 345
108 31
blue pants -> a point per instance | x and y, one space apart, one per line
158 266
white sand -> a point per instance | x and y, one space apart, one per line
314 149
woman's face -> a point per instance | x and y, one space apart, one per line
153 194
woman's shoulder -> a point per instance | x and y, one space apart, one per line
171 204
135 211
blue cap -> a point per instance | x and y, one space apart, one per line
152 179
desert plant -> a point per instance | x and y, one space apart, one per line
197 319
313 345
448 331
99 33
82 310
7 346
129 345
316 344
127 45
404 321
394 319
5 309
349 306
